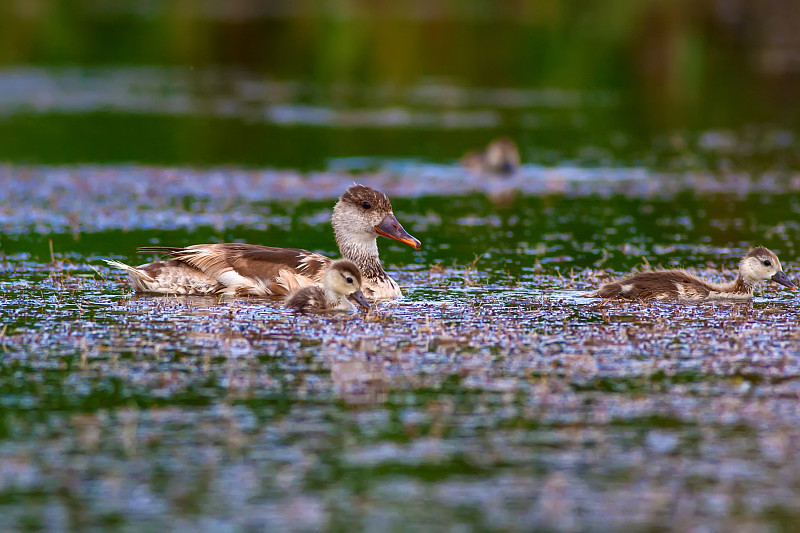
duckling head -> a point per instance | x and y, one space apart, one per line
762 265
361 214
502 155
344 279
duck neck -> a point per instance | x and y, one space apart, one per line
742 286
337 301
363 251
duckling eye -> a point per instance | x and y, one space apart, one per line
366 205
767 262
349 280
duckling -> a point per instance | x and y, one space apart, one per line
500 157
342 280
359 217
758 265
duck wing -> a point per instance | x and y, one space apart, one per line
251 268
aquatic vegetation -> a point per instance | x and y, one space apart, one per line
491 371
492 396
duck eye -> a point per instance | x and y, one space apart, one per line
767 262
349 280
366 205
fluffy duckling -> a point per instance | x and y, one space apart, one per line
361 215
758 265
500 157
341 281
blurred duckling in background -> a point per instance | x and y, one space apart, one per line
341 283
500 157
758 265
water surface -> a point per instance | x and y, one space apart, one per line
493 395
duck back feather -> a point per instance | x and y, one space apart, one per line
252 269
665 285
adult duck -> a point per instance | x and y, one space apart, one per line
759 264
359 217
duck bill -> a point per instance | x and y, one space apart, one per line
784 280
359 298
390 227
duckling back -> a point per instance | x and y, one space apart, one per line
657 285
308 300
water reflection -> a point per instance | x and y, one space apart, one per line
167 403
361 382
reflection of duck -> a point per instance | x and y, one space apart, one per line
758 265
500 157
342 281
360 382
359 217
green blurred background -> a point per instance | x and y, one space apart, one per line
297 84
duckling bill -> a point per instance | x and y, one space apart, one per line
758 265
341 283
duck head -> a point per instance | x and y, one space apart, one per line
502 156
762 265
363 213
344 279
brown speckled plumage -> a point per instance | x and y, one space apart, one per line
357 194
341 280
359 217
681 285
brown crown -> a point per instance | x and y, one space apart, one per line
759 251
345 265
358 194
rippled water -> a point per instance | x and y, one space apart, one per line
492 395
228 116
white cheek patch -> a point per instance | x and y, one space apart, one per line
340 287
753 271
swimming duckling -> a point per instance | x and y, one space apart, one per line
758 265
342 281
500 157
359 217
